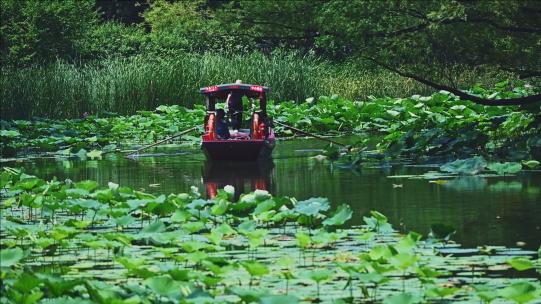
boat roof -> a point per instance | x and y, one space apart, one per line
222 90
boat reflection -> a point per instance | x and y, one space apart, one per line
244 176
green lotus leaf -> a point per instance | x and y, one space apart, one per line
520 292
505 168
468 166
10 256
341 215
520 263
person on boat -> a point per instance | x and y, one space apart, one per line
222 130
235 108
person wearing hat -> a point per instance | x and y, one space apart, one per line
235 108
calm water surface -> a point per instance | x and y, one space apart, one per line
485 211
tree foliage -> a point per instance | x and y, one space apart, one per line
431 41
35 31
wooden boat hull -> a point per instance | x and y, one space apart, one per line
238 150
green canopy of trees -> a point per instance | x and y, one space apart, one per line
427 40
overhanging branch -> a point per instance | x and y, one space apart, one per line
463 95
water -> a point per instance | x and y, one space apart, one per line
485 211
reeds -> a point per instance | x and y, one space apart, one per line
64 90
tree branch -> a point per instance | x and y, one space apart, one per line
463 95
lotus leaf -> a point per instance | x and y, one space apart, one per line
313 206
10 256
341 215
468 166
505 168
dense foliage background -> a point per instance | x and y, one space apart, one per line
114 55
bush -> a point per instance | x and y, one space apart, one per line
36 31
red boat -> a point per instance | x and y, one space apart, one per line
255 141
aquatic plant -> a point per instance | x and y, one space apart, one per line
66 241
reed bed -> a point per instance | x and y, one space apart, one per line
126 85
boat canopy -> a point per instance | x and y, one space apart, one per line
221 91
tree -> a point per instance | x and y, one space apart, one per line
430 41
35 31
189 26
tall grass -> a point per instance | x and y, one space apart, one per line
63 90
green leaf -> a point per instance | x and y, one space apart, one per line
319 275
303 239
486 293
468 166
94 154
505 168
193 227
11 256
164 285
248 295
180 216
520 292
255 268
441 292
264 206
312 206
532 164
155 227
247 226
225 229
85 203
393 113
403 261
9 133
219 208
26 282
403 298
520 263
380 217
124 220
81 154
87 185
341 215
458 108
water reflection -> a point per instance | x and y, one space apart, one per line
244 176
485 210
466 183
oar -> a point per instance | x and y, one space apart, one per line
162 141
313 135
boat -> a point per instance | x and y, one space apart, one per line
245 144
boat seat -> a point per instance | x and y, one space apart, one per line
240 134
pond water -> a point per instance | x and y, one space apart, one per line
485 210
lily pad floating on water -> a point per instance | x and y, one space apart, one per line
505 168
520 263
520 292
458 251
469 166
532 164
11 256
403 298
